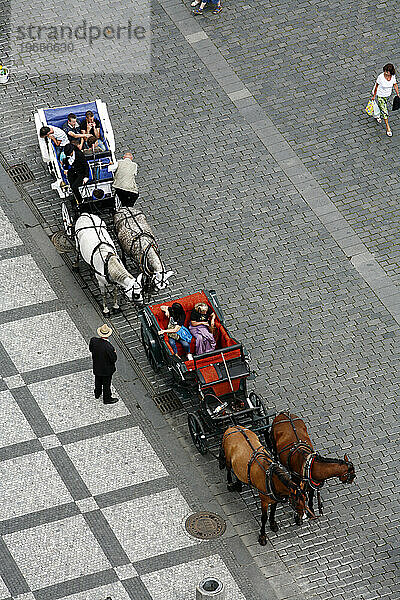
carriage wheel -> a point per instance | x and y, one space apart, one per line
67 221
148 351
197 433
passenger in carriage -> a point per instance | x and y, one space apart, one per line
202 327
176 330
72 128
94 145
76 168
56 135
90 125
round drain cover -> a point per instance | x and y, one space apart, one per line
61 242
205 525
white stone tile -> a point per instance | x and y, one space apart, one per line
4 593
68 402
123 458
14 428
42 341
64 550
8 236
50 441
115 591
22 283
14 381
151 525
126 571
179 582
30 483
87 504
27 596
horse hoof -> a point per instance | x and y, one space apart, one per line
262 540
105 312
75 266
274 527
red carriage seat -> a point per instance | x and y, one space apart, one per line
222 338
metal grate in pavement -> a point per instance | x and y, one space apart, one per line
168 402
205 525
20 173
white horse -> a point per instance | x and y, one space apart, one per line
137 240
94 244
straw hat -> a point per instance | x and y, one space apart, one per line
104 331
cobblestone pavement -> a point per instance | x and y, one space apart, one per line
261 164
92 504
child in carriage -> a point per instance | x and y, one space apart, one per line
176 330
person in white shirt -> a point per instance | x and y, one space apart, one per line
383 89
57 135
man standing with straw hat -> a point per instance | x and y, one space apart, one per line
104 359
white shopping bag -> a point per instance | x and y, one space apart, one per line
377 112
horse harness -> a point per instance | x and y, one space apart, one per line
297 447
258 453
136 238
96 248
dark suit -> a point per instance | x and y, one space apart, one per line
77 172
104 359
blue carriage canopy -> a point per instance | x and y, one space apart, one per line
58 116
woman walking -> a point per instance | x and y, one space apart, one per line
383 89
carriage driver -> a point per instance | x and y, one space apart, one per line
125 185
76 168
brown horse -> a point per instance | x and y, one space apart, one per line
295 451
242 453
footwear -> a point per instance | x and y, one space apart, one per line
389 133
197 11
217 10
190 356
378 119
195 3
97 396
110 401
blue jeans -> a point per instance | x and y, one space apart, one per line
185 345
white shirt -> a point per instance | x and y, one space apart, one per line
385 87
59 134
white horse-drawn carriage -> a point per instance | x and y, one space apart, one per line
84 221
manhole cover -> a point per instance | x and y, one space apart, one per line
205 525
62 243
20 173
168 402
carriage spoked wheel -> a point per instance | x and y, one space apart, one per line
67 220
197 433
148 351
